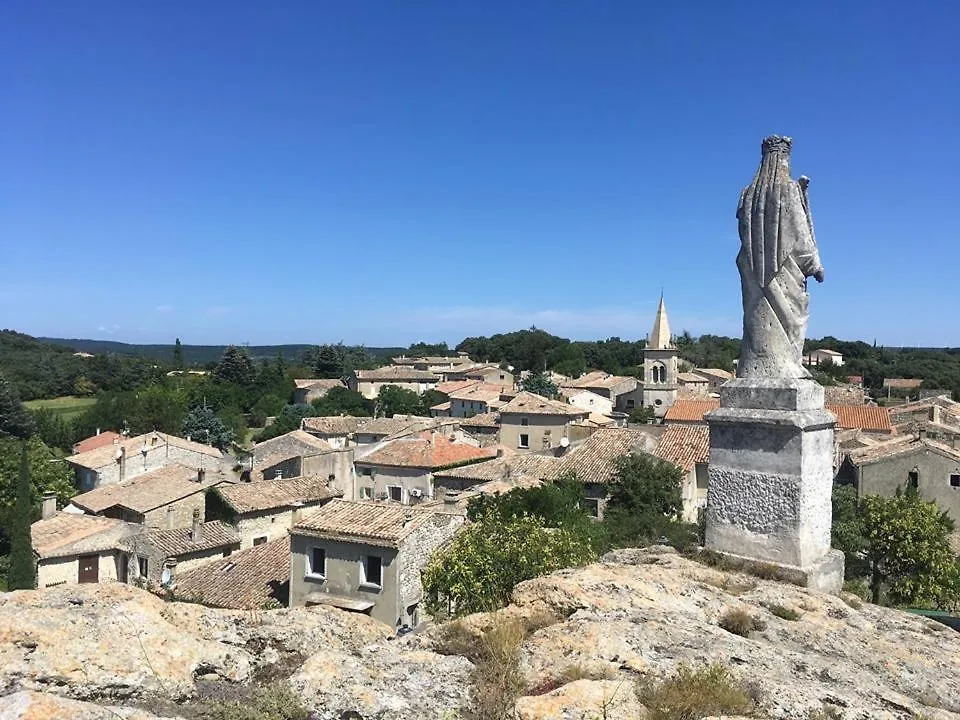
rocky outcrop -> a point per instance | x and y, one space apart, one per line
612 627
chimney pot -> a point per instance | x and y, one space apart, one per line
196 533
98 431
201 475
450 497
49 505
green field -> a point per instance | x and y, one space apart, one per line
67 407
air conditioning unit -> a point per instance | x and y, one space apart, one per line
382 495
416 492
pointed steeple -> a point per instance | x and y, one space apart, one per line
660 338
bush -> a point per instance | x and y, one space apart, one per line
739 622
271 702
783 612
695 693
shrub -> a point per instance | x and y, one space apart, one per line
739 622
783 612
695 693
271 702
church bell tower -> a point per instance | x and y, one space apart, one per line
660 365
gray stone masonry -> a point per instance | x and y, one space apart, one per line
771 475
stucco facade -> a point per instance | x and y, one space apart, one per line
66 570
535 432
381 482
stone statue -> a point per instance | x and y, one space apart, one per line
777 255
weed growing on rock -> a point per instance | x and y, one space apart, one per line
739 622
782 612
570 674
270 702
695 693
826 712
734 586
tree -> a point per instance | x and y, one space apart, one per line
235 366
52 429
203 425
48 473
429 399
342 401
267 406
328 362
395 400
22 573
642 415
14 419
644 501
541 384
478 570
177 355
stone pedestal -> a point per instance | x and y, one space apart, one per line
771 477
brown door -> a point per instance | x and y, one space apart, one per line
89 569
124 568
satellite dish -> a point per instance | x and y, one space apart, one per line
564 442
165 576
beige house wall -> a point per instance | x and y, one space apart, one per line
383 476
370 389
885 476
537 429
133 464
66 570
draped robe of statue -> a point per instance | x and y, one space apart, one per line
777 255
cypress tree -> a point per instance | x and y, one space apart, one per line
178 355
14 419
22 574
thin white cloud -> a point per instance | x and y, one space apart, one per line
109 330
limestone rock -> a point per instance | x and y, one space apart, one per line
584 700
28 705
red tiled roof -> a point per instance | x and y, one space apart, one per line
97 441
425 450
863 417
690 410
684 445
907 383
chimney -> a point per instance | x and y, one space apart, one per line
935 413
169 573
296 514
450 497
407 518
170 523
499 452
49 505
98 431
196 534
921 432
201 475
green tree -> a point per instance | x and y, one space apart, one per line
267 406
644 501
478 570
907 548
48 473
429 399
848 533
541 384
22 573
342 401
395 400
14 419
642 415
156 407
235 366
203 425
177 355
50 427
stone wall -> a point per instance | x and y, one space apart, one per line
133 464
383 476
177 514
414 555
885 476
66 570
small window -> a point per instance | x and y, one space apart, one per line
524 421
317 562
367 472
371 571
259 540
913 479
658 403
142 566
395 492
591 506
524 441
630 403
955 480
366 492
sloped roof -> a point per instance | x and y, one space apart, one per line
101 456
97 441
598 379
592 460
684 445
280 493
296 443
540 467
425 450
450 386
903 383
68 533
528 403
490 419
395 372
317 383
176 541
825 351
245 580
332 425
389 426
690 410
864 417
660 338
368 522
714 373
481 392
900 445
691 377
148 491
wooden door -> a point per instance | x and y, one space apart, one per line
124 574
89 571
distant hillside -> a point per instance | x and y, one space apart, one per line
192 354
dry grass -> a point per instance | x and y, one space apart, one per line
826 712
569 674
732 585
783 612
757 568
271 702
740 622
692 694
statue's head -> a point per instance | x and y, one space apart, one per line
776 144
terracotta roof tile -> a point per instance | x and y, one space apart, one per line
317 383
68 533
528 403
482 392
540 467
95 459
271 494
592 460
866 417
332 425
690 410
397 373
374 523
600 379
246 580
148 491
97 441
684 445
177 541
481 420
426 450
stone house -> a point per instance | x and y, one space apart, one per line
263 511
716 377
477 399
369 383
589 400
163 498
297 454
824 356
688 447
436 365
125 459
367 557
937 417
694 384
180 549
440 409
485 427
928 466
487 373
622 391
509 470
375 430
530 422
307 390
337 431
401 470
74 548
101 439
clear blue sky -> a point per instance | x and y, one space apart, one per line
386 172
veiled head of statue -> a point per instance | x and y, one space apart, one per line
777 144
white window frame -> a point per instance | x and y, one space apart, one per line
390 494
521 443
366 492
310 570
364 582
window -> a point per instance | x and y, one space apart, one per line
317 562
591 506
955 480
142 566
913 479
658 403
259 540
659 373
367 472
371 571
366 492
524 441
395 492
631 403
524 421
